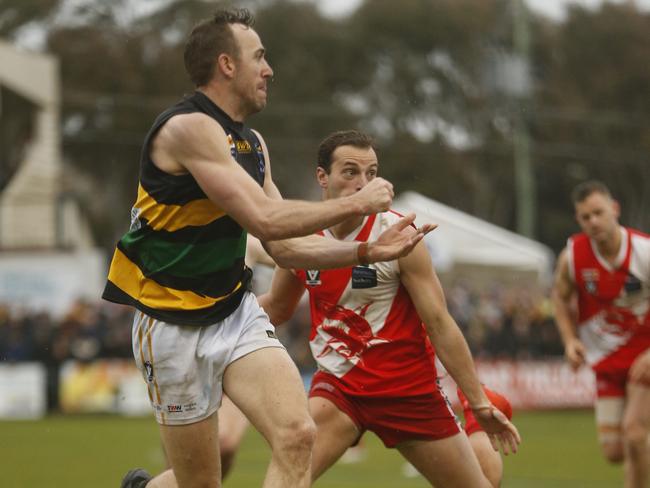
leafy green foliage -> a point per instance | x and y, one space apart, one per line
425 78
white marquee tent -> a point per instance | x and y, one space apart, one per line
466 243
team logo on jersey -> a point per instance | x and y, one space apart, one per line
313 277
348 332
243 146
149 368
590 277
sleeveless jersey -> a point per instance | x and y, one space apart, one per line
366 333
613 301
182 261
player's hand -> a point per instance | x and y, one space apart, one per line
575 352
398 240
502 433
376 196
640 370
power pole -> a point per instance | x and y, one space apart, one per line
525 188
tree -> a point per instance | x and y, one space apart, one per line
591 121
425 78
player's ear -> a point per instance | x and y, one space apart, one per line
617 208
322 177
226 65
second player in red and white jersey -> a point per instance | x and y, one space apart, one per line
613 299
365 328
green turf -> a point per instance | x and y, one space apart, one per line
559 451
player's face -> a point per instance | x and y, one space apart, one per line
598 216
253 71
352 168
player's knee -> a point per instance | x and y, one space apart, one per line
613 452
304 434
298 436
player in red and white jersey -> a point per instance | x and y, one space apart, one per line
605 273
365 330
372 330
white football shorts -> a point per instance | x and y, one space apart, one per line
183 366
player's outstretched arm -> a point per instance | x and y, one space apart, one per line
315 252
197 143
282 298
424 288
562 295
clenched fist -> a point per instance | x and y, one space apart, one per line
376 196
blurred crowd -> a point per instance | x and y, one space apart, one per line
86 332
499 323
505 322
502 322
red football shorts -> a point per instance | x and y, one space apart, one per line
612 383
612 377
393 420
612 372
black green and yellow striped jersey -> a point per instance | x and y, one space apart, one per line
182 260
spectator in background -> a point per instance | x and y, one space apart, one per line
38 332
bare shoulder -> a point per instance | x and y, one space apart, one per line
190 128
417 262
187 138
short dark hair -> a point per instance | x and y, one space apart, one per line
211 37
341 138
586 188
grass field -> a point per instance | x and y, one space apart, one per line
559 451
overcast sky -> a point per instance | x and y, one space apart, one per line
551 8
32 35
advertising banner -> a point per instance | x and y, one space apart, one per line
22 391
535 384
104 386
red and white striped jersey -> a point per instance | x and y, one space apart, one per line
365 329
613 300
